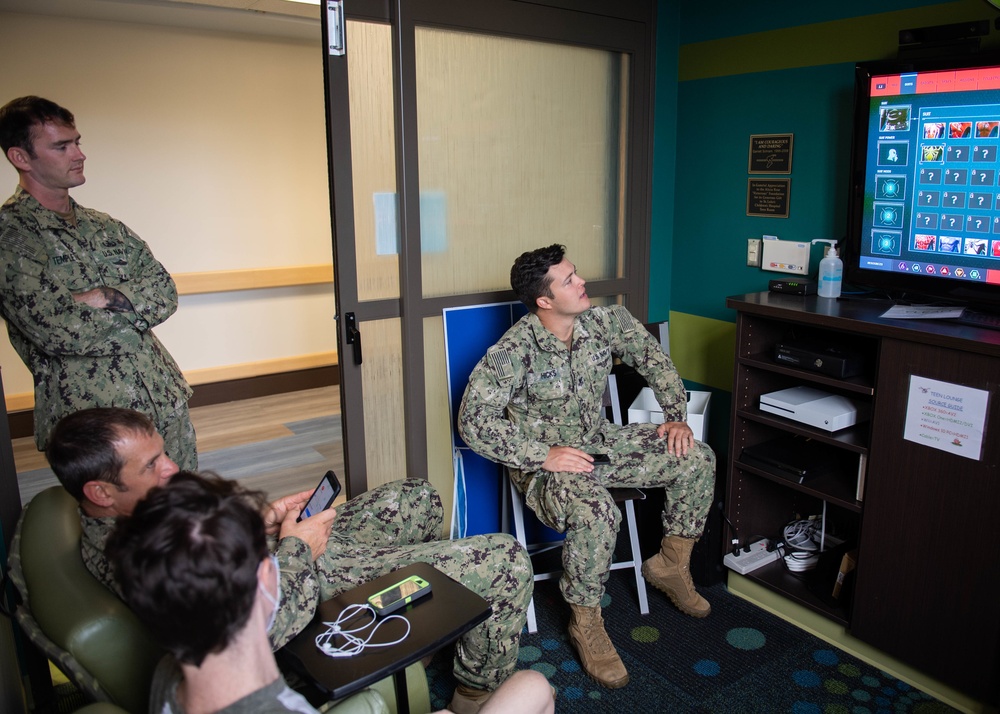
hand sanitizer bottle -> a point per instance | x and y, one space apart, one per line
831 271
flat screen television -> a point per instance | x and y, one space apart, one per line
924 204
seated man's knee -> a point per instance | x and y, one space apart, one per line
590 505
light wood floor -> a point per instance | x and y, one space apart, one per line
279 444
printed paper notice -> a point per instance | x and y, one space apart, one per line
946 416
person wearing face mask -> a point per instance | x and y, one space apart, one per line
194 566
109 458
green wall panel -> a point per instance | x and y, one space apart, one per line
664 164
702 21
872 36
703 349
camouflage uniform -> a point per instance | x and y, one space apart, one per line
530 392
82 356
378 532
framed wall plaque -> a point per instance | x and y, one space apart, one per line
768 197
770 154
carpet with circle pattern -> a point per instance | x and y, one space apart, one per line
738 659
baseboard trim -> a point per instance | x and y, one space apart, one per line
22 422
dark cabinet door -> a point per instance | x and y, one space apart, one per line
929 564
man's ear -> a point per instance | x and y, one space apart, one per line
19 158
543 302
98 493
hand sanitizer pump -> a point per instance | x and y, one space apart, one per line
831 271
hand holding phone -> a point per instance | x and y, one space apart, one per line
324 495
601 458
396 597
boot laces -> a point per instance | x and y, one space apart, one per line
596 636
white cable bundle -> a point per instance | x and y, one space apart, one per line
353 643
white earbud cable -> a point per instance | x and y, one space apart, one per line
355 644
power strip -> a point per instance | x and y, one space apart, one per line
758 557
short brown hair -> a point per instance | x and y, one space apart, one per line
19 116
84 446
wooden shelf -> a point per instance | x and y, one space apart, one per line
861 385
798 588
839 489
913 494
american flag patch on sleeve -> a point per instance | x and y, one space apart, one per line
626 323
499 361
16 241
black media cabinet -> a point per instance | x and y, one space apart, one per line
923 521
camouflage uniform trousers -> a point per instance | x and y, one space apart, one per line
400 523
579 504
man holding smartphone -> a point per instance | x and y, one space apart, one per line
109 459
215 625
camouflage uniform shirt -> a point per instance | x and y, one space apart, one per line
531 392
82 356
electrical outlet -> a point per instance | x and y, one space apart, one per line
758 557
753 252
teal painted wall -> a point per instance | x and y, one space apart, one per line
664 164
715 120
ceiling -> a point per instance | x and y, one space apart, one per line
268 17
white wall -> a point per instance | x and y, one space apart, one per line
212 148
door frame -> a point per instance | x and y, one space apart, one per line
627 27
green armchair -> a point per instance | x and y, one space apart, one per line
80 625
89 633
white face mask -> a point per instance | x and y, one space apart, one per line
276 598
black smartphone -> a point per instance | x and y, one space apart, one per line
325 494
601 459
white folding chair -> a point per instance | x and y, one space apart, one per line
513 510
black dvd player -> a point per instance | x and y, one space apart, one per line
826 359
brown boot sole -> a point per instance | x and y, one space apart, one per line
607 685
673 598
616 684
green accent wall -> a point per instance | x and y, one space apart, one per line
840 38
713 20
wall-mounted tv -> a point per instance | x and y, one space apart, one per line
924 204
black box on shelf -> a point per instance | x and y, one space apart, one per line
796 458
831 360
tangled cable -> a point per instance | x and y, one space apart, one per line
355 644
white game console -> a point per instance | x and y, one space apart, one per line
814 407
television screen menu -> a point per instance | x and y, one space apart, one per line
932 185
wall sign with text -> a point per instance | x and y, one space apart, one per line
768 197
945 416
770 154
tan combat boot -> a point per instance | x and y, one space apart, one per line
598 656
467 700
669 572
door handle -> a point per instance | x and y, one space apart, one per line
354 336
